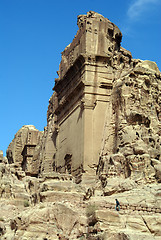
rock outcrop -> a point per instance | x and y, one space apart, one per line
101 143
135 139
21 150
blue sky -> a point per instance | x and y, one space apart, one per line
33 33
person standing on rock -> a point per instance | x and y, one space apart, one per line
117 207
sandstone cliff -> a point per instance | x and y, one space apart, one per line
101 143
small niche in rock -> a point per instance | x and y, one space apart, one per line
128 171
18 177
109 49
121 60
110 32
138 119
132 75
54 166
147 83
13 225
152 142
129 84
1 231
137 134
158 156
111 161
92 221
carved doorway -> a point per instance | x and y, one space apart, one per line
68 163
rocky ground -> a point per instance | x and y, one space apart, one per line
55 207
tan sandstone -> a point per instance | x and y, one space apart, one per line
101 143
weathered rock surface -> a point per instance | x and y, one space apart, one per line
56 209
101 143
21 149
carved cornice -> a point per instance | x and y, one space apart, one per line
72 97
70 75
88 104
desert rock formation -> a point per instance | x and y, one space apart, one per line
21 150
101 143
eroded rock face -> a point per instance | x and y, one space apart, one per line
101 143
21 150
136 126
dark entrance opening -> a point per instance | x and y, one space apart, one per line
68 163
